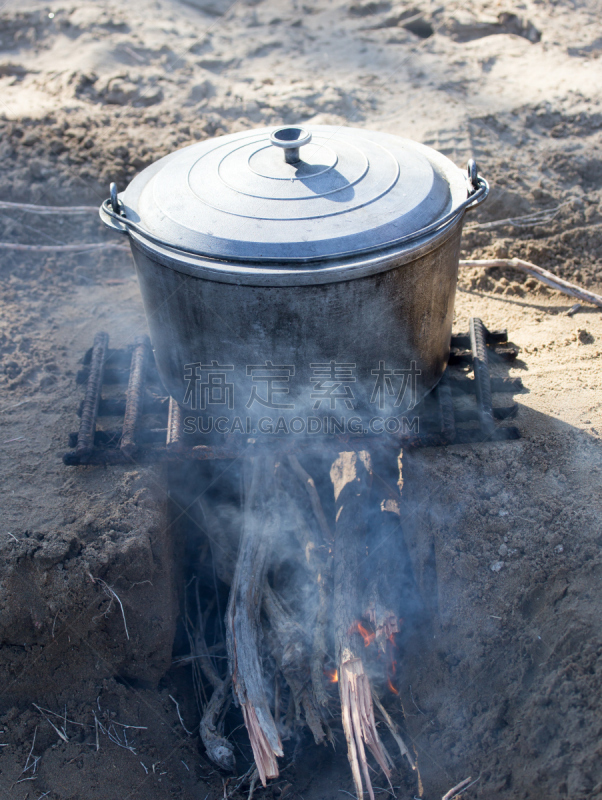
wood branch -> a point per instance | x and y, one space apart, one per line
541 275
390 588
260 528
291 652
351 476
359 723
218 748
457 790
391 593
310 487
318 562
192 635
393 729
319 644
382 594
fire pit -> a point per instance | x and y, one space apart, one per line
318 590
299 272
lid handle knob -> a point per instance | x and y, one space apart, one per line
290 138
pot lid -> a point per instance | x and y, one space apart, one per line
294 194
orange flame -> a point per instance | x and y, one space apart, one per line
367 636
391 687
332 675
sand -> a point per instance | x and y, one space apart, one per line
505 540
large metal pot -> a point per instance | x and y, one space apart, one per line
298 272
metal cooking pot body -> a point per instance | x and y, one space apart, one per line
298 279
345 352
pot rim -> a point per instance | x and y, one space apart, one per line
293 273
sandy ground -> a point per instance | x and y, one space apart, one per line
505 539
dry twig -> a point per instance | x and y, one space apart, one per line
458 789
43 210
218 748
61 732
31 762
541 275
112 594
177 705
310 486
393 729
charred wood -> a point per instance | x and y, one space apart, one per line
261 522
317 559
351 475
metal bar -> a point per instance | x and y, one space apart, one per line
174 426
112 438
503 352
467 386
462 340
480 363
148 455
167 444
472 414
115 406
87 426
134 396
115 358
154 455
118 376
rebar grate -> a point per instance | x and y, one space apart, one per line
444 418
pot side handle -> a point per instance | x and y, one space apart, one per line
112 209
478 186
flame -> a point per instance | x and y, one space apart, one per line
332 675
391 687
367 636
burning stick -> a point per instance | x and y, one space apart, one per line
318 565
290 653
382 584
351 475
260 526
